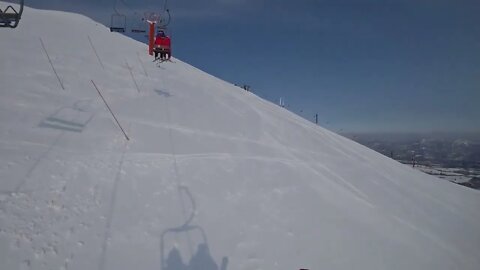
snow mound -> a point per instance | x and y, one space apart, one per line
212 177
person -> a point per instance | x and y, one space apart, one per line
158 44
160 33
167 43
162 45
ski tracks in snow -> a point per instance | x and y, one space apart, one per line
34 166
111 209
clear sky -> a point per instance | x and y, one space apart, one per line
362 65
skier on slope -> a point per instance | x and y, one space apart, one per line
162 46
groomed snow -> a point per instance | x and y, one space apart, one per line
253 184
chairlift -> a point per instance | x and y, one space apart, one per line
159 44
137 30
139 26
118 23
10 17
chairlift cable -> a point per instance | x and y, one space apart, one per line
115 7
21 7
165 5
126 5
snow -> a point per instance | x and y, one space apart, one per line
261 187
450 174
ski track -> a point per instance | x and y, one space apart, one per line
111 210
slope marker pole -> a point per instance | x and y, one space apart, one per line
133 78
51 64
141 63
108 107
95 51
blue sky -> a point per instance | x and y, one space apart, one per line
362 65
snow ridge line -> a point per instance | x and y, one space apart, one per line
51 64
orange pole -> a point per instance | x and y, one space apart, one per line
151 37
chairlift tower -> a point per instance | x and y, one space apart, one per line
156 23
10 17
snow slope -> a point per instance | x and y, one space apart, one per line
252 184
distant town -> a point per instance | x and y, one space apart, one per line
453 157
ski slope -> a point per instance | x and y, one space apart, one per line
212 177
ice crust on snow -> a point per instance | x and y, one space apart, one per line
213 175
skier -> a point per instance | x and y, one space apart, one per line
168 52
158 43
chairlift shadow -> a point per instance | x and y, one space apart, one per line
202 259
73 119
163 93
